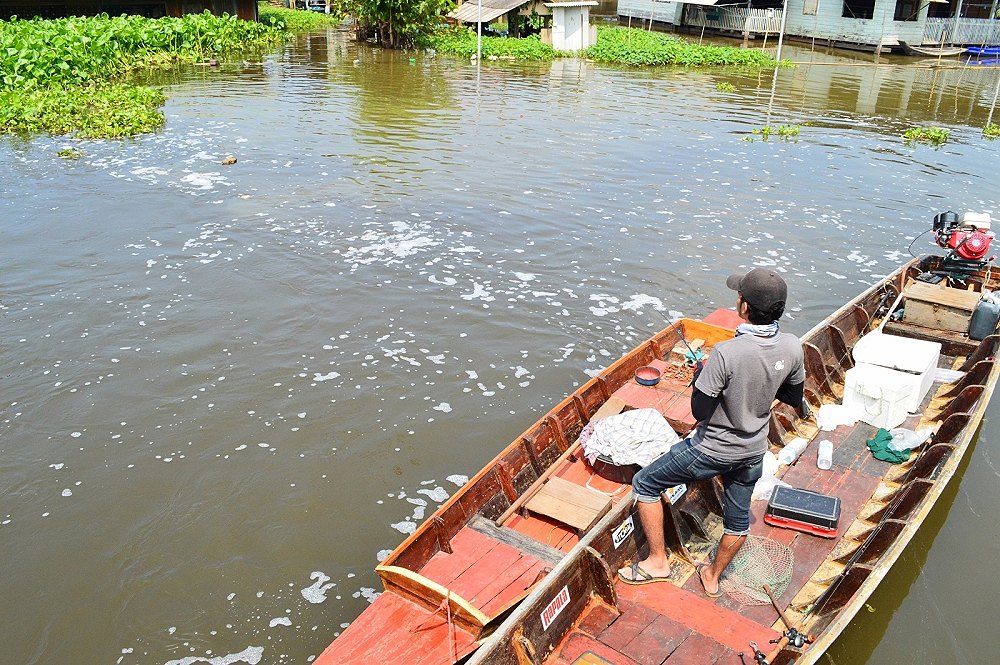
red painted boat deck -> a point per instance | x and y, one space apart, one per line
662 623
369 641
482 570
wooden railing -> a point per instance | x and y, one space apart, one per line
967 31
735 19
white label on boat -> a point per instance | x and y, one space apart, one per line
557 605
676 492
623 531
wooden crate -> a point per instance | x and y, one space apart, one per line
939 307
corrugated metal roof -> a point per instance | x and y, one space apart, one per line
468 12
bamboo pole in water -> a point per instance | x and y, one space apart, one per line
989 120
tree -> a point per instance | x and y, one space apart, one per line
395 23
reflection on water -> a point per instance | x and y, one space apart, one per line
232 389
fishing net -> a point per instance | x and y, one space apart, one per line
760 561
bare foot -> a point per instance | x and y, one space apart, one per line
709 583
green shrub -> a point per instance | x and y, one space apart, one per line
991 131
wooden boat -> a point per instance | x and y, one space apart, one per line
933 51
519 566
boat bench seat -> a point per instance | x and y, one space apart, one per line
574 505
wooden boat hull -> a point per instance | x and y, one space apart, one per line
932 51
497 575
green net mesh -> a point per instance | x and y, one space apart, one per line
760 561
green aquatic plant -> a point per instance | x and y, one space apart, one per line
784 131
69 153
111 111
991 131
71 75
632 46
292 20
620 45
462 42
936 136
723 86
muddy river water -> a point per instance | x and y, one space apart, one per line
229 390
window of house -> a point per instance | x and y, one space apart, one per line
976 9
906 10
858 9
809 7
939 10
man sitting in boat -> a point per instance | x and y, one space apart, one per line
731 401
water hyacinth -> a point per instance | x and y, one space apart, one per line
462 42
631 46
79 50
628 46
69 75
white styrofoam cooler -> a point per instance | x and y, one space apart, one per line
914 356
879 395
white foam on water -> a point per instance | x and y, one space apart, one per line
204 181
279 621
443 407
67 492
640 300
250 655
316 593
479 292
407 527
444 281
438 494
325 377
458 479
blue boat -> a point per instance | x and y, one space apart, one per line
983 51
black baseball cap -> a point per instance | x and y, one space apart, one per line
764 289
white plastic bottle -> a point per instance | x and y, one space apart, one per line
792 450
824 457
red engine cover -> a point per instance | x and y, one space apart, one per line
970 245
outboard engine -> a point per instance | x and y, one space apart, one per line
967 239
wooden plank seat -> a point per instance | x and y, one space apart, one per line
544 506
574 505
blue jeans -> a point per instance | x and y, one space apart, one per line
684 464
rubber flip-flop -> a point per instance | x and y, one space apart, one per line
634 574
717 593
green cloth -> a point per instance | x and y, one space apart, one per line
881 450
